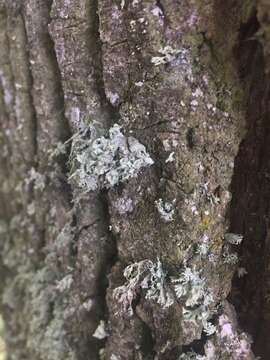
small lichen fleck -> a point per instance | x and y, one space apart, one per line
165 209
104 162
234 239
38 179
114 357
230 258
241 271
100 332
65 283
170 158
168 54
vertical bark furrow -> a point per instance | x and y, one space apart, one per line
251 191
75 29
47 92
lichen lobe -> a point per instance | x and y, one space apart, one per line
103 162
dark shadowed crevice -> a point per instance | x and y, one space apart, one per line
196 346
65 132
64 129
148 343
34 123
251 191
111 253
95 48
111 115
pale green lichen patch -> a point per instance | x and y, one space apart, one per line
100 332
167 54
103 162
147 277
150 281
38 179
234 239
199 303
65 283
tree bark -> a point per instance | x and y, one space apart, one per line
137 261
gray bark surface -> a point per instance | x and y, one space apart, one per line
187 82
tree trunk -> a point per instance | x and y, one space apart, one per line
135 147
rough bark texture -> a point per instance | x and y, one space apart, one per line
190 81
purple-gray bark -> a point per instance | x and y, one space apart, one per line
134 179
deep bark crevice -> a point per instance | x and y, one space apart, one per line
95 48
251 190
112 255
34 119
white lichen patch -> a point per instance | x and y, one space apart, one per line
113 97
124 205
145 278
241 271
234 239
191 355
104 162
165 209
167 54
229 257
170 158
156 11
100 332
198 301
203 249
65 283
38 179
88 304
31 209
114 357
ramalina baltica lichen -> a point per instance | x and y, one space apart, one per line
147 278
198 302
150 281
102 162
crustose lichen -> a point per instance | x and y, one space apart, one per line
102 162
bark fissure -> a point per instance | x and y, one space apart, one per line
249 213
95 47
23 84
30 93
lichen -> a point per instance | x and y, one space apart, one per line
124 205
198 301
234 239
100 332
146 278
191 355
103 162
165 209
39 180
167 54
65 283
